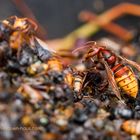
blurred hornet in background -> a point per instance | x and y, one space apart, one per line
22 24
119 74
17 30
28 52
19 33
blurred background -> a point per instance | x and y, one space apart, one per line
60 17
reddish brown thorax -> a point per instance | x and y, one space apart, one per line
108 56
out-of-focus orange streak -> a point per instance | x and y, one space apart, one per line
94 26
113 28
118 11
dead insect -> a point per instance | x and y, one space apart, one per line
96 80
68 78
17 30
131 127
74 79
78 79
22 33
22 36
119 74
25 25
24 30
93 81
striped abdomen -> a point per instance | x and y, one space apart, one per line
77 83
125 79
131 127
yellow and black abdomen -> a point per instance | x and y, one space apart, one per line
125 79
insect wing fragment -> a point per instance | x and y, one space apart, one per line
112 80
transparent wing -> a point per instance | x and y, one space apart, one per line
132 63
112 81
85 46
43 50
44 45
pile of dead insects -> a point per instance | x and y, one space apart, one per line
41 106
